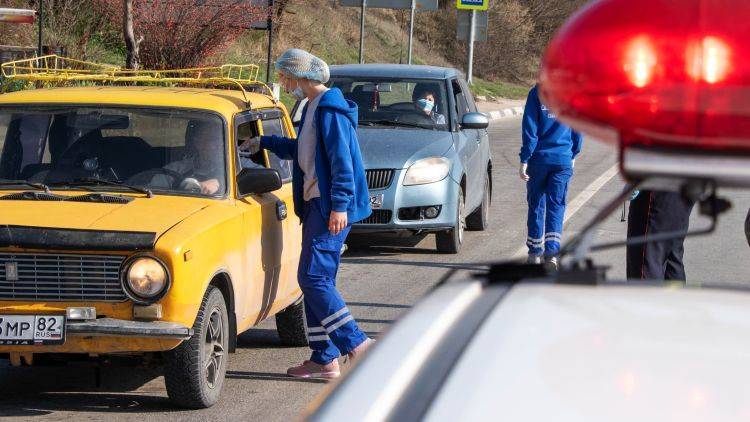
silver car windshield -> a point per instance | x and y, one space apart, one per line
166 151
416 103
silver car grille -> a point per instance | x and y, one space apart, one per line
64 277
380 178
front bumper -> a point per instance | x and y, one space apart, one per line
443 193
111 327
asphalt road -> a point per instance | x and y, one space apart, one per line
379 284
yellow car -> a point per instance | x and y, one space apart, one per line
132 223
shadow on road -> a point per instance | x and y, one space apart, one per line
34 391
457 266
378 305
270 376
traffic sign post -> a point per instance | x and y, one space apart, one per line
412 5
472 4
472 20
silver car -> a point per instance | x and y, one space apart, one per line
425 149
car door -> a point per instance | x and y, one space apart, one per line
468 141
482 156
268 251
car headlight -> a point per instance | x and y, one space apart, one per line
427 170
145 279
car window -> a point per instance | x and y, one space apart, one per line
158 149
413 103
472 106
4 121
247 129
274 126
462 106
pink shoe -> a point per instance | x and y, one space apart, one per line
310 369
360 350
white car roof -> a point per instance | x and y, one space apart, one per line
582 353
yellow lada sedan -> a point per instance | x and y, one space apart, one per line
132 223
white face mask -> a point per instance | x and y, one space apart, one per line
298 93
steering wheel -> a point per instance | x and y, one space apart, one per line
144 177
414 117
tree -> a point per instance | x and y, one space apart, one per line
182 33
131 44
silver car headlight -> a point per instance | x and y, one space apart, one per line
427 170
145 279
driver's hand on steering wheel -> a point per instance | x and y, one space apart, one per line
210 186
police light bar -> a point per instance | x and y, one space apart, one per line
17 15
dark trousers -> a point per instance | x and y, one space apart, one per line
651 213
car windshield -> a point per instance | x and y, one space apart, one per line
164 150
414 103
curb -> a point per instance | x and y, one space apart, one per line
505 112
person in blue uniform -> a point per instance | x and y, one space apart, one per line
330 193
547 158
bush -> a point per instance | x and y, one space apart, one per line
185 33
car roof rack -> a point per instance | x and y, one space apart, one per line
62 70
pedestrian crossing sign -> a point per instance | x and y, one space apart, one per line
472 4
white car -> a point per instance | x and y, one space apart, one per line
667 82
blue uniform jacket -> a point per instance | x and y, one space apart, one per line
338 161
545 140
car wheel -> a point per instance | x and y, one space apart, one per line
194 370
747 227
290 324
450 241
479 219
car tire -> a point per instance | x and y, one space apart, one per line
194 371
290 324
747 227
479 219
450 241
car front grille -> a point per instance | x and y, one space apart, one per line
52 277
379 179
378 217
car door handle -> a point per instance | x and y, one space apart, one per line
281 210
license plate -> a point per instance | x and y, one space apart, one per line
19 330
376 201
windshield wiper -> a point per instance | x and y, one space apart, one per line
92 181
393 123
38 186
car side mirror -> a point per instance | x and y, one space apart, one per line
257 181
475 121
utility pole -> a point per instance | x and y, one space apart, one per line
269 25
362 33
472 35
411 27
41 19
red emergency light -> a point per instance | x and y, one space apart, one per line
673 74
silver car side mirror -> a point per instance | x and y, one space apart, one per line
475 121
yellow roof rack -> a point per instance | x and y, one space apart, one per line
56 69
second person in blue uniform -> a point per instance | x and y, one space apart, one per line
330 193
547 160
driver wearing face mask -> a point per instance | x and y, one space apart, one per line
201 168
424 101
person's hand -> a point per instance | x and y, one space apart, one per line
522 172
210 187
251 145
337 222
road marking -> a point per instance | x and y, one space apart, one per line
579 201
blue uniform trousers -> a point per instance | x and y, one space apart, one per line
546 193
331 329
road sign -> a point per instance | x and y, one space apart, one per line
420 6
464 22
472 4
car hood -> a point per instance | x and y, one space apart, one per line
157 214
398 148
